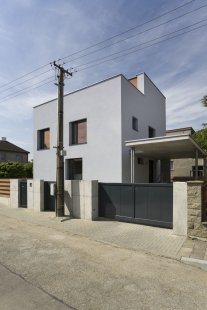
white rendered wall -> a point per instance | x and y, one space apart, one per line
101 155
149 109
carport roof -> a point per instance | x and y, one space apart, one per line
178 146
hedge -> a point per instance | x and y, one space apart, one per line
16 170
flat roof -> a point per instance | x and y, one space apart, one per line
167 147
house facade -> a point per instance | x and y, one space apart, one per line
184 167
12 152
98 119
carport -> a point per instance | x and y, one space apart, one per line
166 148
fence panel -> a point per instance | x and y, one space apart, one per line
5 188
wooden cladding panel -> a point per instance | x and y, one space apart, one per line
4 188
133 81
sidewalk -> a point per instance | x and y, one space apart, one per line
152 240
194 251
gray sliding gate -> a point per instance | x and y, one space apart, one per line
149 204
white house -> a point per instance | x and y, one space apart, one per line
98 119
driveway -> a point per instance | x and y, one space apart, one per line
83 273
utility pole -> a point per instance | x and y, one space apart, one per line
59 205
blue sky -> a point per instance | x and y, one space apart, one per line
35 32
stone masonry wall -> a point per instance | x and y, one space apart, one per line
195 226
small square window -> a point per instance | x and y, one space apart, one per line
134 123
140 161
43 139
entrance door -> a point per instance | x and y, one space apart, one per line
23 194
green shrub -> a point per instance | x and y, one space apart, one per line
16 170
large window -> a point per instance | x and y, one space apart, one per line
75 169
43 139
78 132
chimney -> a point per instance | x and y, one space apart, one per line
3 138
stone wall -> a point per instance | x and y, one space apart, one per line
195 227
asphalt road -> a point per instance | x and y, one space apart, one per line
48 268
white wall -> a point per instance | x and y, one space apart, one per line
101 105
149 109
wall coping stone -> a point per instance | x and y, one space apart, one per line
195 182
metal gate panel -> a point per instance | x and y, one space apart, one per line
125 208
108 202
23 194
150 204
154 204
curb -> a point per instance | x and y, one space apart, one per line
194 261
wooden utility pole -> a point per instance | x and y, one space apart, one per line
59 205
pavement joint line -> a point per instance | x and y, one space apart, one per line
37 287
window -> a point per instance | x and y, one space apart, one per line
200 171
43 139
19 158
151 132
2 156
134 123
171 165
78 132
140 161
75 169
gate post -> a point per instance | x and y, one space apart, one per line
180 206
14 193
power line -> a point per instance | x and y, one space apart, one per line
128 30
137 34
103 41
22 76
22 91
36 76
167 39
105 59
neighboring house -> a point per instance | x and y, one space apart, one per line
184 168
11 152
98 119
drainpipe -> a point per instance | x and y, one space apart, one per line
196 165
132 164
204 167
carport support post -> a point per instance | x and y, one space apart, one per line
196 165
132 164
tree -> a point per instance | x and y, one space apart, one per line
204 101
201 137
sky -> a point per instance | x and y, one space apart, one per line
34 33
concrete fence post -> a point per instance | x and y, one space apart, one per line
81 199
14 193
180 208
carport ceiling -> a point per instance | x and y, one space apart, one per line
182 146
